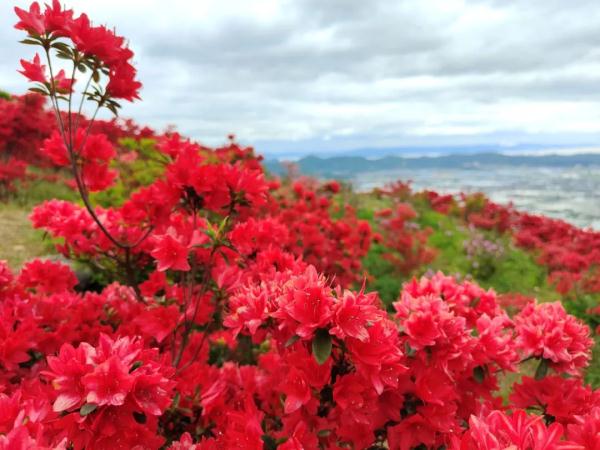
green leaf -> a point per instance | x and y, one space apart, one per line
39 90
223 224
88 408
63 47
479 374
64 55
291 341
30 42
269 442
136 365
113 109
321 345
542 369
176 400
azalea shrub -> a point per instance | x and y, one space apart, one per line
569 255
24 124
405 240
231 313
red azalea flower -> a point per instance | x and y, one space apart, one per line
562 399
546 331
31 21
109 383
413 432
47 276
353 314
56 19
54 148
158 322
6 275
122 83
151 392
497 430
586 431
307 303
248 311
63 84
296 390
66 371
34 70
170 253
98 176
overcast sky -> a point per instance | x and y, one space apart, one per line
332 75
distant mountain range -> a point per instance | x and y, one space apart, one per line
349 166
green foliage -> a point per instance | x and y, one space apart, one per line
448 238
321 346
579 304
518 272
148 165
384 279
4 95
592 375
515 271
34 191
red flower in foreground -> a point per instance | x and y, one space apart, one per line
47 276
497 430
31 21
307 304
109 383
170 253
66 371
353 314
546 331
296 390
34 70
63 84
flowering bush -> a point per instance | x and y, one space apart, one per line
24 123
228 320
405 241
570 255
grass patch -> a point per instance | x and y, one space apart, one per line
34 192
20 242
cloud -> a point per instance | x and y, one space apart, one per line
345 73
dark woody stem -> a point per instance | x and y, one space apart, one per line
81 187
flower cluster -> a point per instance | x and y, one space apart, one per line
24 123
547 331
335 247
405 242
111 395
96 48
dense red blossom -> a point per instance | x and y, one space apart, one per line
98 42
546 331
405 242
47 277
497 430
